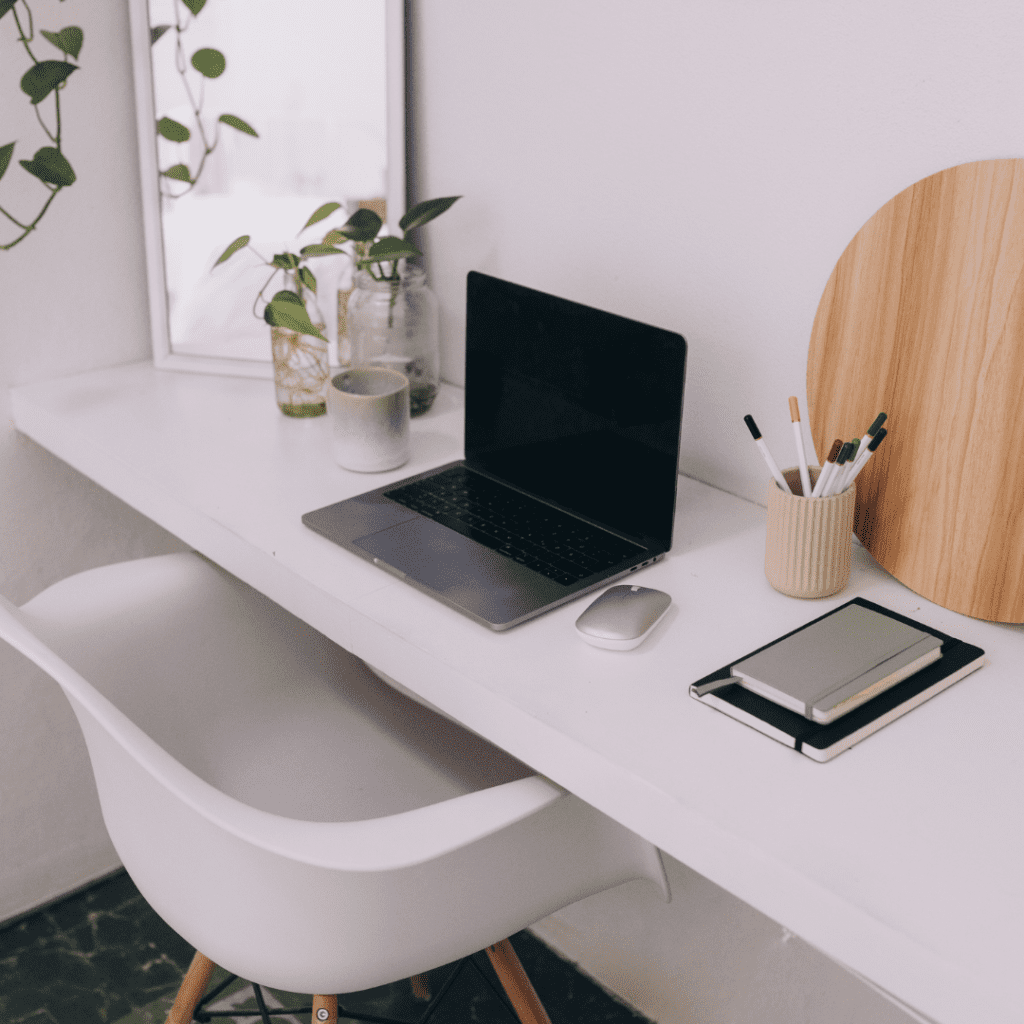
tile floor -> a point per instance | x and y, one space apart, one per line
102 954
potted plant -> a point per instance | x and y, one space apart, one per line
298 345
392 316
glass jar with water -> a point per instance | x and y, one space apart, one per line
395 323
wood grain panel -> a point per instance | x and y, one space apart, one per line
923 319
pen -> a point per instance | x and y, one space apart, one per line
828 469
844 454
767 455
794 414
872 446
844 478
866 440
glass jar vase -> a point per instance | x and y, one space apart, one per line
301 367
396 324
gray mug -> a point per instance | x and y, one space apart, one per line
369 407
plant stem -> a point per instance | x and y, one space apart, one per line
55 138
31 227
22 38
182 69
13 220
263 289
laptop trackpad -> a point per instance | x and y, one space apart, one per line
461 571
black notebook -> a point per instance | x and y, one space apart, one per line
822 742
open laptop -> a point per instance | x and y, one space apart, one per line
569 481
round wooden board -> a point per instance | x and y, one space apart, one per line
923 319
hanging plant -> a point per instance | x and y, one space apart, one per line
44 79
209 64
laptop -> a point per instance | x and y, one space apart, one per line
572 423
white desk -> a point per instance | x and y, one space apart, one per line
903 858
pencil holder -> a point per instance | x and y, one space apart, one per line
807 553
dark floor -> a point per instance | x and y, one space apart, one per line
96 956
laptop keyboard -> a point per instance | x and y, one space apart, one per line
560 546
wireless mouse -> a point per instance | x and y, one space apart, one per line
622 617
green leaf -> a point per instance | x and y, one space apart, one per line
237 122
307 278
179 172
173 130
5 6
388 248
209 62
156 32
239 243
285 261
321 213
335 237
42 78
5 157
67 40
286 295
426 211
362 226
319 250
50 165
195 6
291 316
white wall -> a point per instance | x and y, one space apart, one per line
73 297
700 165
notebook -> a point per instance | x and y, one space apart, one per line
572 425
822 742
839 661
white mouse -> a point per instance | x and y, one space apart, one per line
623 617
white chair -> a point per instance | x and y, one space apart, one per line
291 816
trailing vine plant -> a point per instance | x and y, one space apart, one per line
43 79
210 63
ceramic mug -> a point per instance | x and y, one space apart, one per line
369 407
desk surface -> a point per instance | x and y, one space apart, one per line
902 859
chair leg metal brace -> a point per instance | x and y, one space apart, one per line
192 988
514 981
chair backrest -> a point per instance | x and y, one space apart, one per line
298 903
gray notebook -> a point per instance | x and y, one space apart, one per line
837 663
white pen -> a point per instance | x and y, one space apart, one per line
828 469
865 441
801 455
844 454
872 446
767 455
843 480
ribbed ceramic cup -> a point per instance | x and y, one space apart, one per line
809 543
369 408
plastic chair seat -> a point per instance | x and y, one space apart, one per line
284 809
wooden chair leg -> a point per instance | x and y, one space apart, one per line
192 988
420 986
325 1010
516 984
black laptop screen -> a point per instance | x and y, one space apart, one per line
574 405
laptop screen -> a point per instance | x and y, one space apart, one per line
574 405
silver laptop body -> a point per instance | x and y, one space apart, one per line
572 427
